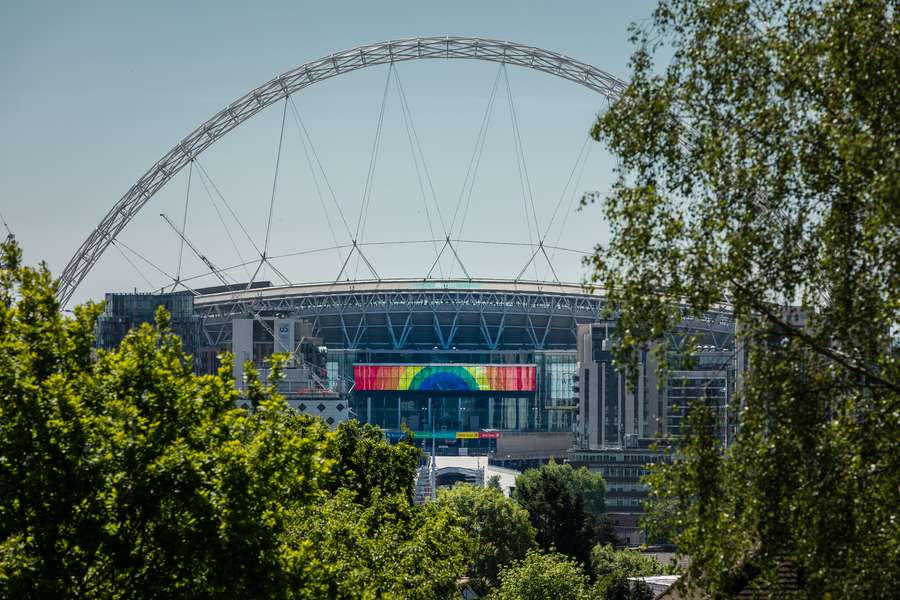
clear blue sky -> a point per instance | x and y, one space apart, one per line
95 92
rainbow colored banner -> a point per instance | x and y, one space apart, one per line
445 378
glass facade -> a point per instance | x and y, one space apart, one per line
434 396
685 388
455 401
451 413
560 405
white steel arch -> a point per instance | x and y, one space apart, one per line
297 79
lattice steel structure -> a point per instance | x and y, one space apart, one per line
296 80
407 315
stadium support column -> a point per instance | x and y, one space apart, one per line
242 347
590 390
740 364
635 403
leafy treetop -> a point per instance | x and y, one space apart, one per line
128 476
540 576
556 497
498 527
760 166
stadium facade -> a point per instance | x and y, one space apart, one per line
519 370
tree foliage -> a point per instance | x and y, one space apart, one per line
590 486
625 589
126 475
540 576
385 549
367 465
761 166
606 561
612 568
556 503
498 527
660 521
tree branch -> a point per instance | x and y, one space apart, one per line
837 356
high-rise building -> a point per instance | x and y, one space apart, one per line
625 416
124 312
617 408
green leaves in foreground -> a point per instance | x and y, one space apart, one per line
129 476
759 165
611 568
539 576
388 549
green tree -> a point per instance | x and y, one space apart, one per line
761 166
606 561
590 486
624 589
541 576
557 510
612 568
367 465
592 489
386 549
660 521
126 475
498 527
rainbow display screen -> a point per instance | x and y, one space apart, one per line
445 378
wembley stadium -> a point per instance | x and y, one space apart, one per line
458 331
519 368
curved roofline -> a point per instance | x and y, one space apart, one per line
297 79
400 285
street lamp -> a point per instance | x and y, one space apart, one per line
462 423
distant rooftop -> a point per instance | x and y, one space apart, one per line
658 583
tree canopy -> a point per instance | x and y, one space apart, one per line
497 526
590 486
367 465
385 549
759 166
612 568
556 500
126 475
606 561
540 576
